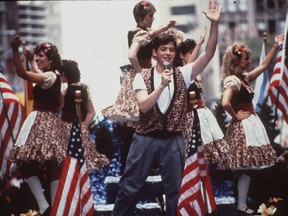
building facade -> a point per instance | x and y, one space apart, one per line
34 21
241 20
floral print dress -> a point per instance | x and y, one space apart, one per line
249 145
125 110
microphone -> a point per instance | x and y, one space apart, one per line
166 65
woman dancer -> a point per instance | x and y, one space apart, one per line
40 143
249 145
212 136
70 74
211 133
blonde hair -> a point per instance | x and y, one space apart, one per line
232 59
178 34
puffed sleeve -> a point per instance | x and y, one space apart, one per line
232 82
64 86
49 79
142 37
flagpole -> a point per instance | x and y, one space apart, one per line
205 195
28 104
78 101
265 42
25 64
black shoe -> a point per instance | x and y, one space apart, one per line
247 212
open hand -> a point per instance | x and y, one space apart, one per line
214 11
279 39
202 37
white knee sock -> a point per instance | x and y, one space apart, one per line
53 189
36 188
243 187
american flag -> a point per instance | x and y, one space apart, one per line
196 196
278 89
74 197
12 116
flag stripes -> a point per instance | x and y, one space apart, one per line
12 116
278 89
7 92
74 197
196 196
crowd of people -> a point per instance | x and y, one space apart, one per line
155 100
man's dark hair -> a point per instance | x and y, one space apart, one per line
163 39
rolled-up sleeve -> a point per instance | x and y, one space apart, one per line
138 82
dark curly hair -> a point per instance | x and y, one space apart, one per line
52 53
184 47
71 71
163 39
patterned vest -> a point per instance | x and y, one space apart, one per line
173 120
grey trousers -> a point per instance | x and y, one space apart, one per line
143 153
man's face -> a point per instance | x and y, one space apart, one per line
165 53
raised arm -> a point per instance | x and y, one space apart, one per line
27 75
214 16
267 60
30 57
156 32
197 48
136 44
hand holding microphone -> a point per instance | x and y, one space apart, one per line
167 73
